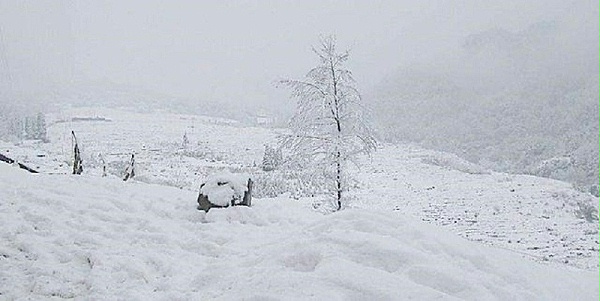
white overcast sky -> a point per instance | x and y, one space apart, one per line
234 50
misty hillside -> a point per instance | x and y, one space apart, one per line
521 102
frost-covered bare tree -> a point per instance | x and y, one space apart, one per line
328 129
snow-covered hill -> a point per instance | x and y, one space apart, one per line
87 237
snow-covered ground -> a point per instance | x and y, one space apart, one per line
93 237
156 139
87 237
540 218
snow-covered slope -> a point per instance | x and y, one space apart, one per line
544 219
87 237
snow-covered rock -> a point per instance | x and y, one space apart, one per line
225 188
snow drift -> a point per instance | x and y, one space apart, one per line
100 238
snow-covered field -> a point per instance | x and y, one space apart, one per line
101 238
540 218
156 139
90 237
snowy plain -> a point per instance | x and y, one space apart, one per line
90 237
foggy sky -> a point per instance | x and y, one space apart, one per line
234 50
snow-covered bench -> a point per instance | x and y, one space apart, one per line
224 190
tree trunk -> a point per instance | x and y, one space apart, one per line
338 180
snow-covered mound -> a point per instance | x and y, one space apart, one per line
88 237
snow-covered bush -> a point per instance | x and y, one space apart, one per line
454 162
272 158
594 190
298 183
554 167
587 211
117 167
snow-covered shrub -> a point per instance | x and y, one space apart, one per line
270 184
454 162
554 167
117 167
298 183
594 190
587 211
272 158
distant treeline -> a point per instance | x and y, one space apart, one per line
21 124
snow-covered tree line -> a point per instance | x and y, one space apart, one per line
34 127
508 104
18 122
